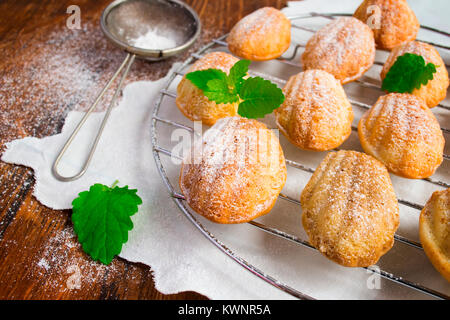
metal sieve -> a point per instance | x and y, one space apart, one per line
149 29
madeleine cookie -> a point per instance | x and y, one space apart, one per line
350 211
435 90
262 35
316 114
193 103
400 131
392 21
345 48
434 230
236 173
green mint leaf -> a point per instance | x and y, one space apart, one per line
201 78
237 74
409 72
218 91
101 219
426 75
260 97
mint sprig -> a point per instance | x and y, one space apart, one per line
257 96
408 72
101 219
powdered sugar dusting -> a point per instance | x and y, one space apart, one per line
406 117
235 156
68 274
56 70
154 40
43 264
260 20
215 60
350 208
403 133
46 73
345 47
316 113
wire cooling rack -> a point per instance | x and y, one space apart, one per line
220 44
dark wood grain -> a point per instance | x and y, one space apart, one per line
47 70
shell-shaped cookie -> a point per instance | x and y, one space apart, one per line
316 114
262 35
400 131
350 211
434 230
345 48
235 173
193 103
435 90
392 21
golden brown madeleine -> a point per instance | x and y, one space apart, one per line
345 48
350 211
435 90
400 131
236 173
316 114
434 229
262 35
193 103
392 21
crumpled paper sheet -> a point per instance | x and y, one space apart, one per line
180 257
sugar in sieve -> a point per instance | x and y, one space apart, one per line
149 29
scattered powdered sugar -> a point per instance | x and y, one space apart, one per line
55 70
43 264
66 267
45 74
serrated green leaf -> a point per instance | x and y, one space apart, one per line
260 97
101 219
408 72
201 78
425 76
237 74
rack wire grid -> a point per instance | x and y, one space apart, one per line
220 44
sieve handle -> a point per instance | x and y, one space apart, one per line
126 64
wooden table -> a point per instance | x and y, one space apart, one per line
46 70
